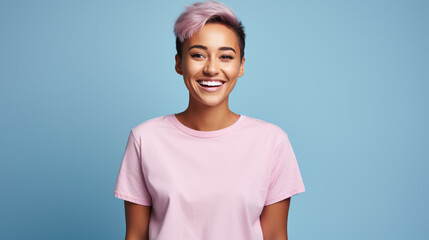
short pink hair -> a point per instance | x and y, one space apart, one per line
195 16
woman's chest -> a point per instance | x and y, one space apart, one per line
207 173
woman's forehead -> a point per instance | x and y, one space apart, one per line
214 35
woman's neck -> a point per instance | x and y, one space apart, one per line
207 118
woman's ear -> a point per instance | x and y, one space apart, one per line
178 65
241 71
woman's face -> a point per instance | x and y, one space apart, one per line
210 58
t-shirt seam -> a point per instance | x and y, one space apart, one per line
282 163
289 193
134 137
140 161
174 121
137 198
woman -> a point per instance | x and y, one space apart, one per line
207 172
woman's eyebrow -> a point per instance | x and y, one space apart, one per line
227 48
205 48
198 46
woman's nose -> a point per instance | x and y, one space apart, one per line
211 68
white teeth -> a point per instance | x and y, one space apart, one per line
211 83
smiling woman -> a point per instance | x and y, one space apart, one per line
207 172
210 65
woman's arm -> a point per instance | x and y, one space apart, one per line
137 221
274 220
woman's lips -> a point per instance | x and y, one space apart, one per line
210 85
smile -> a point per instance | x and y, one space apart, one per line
210 85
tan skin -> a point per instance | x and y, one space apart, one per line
137 221
212 53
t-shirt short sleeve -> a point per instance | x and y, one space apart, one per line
286 178
130 184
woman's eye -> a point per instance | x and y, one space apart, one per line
197 55
227 57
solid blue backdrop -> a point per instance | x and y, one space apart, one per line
347 80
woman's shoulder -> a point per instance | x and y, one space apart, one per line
264 126
152 124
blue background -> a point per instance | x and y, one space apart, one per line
347 80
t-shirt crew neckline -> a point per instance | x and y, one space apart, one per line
205 134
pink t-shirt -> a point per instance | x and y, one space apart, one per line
207 185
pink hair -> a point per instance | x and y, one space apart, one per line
198 14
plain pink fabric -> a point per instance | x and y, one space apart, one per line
207 185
